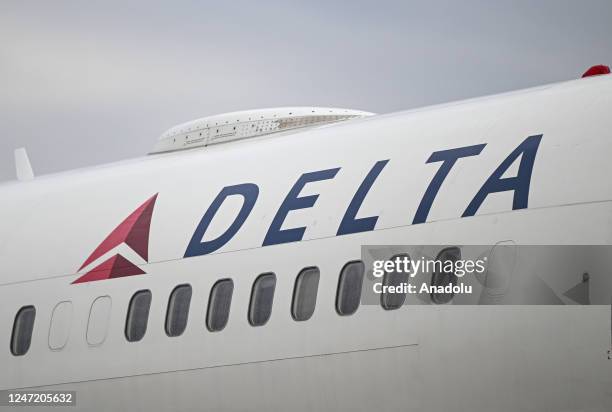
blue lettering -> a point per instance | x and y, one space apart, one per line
351 225
448 159
519 184
292 202
249 192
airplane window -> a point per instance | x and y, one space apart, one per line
178 310
22 330
390 301
219 305
305 294
441 278
349 288
99 319
262 297
138 315
61 322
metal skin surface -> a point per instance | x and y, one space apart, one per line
418 358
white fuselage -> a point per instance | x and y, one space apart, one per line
420 357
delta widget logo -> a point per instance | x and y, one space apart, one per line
134 232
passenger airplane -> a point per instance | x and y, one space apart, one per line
223 271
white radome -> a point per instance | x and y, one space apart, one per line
246 124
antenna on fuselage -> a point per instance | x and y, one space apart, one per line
23 168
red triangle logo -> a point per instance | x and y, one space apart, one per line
134 232
114 267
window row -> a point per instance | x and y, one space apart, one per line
220 299
348 298
217 314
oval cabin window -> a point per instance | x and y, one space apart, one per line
219 304
348 296
23 326
99 318
262 296
138 316
442 278
178 310
305 294
61 323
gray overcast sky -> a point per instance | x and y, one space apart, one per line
85 83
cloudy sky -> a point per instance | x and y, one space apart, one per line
84 84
